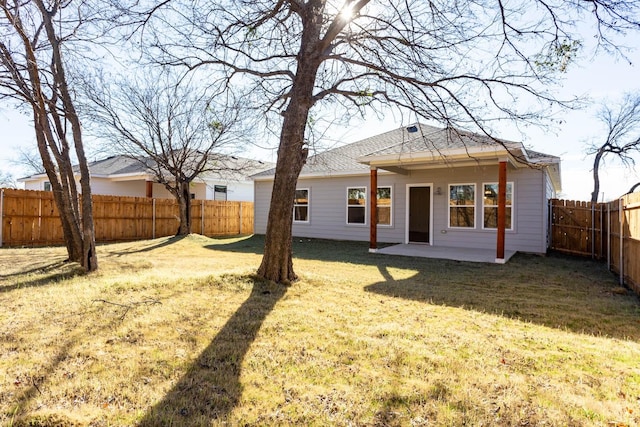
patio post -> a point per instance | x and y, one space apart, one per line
373 211
502 210
149 188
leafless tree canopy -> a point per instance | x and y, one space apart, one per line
33 72
174 128
622 139
462 63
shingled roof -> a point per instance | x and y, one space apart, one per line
418 138
234 168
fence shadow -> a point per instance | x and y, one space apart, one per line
211 388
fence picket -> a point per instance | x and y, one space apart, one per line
579 228
30 218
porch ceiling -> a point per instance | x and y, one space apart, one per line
404 162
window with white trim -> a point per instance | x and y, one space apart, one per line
356 205
490 205
47 186
384 203
301 205
462 205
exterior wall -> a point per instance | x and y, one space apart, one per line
236 191
138 188
108 187
35 184
328 205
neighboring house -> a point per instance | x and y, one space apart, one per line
434 187
123 176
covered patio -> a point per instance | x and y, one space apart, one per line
443 252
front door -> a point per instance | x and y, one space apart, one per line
419 214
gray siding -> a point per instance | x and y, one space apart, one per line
328 208
549 193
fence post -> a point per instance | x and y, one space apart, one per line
609 236
593 230
549 224
202 217
621 234
1 214
153 219
240 227
601 232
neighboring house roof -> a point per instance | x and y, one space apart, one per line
234 168
400 146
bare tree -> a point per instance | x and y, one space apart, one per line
33 72
7 180
29 158
622 138
169 125
466 64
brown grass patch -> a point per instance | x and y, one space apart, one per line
179 332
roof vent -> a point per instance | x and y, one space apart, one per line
412 129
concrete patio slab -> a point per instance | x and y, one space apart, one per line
443 252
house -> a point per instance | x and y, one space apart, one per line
124 176
434 187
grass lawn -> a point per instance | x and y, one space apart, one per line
179 332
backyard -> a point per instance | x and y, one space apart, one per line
178 331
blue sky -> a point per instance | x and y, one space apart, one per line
602 78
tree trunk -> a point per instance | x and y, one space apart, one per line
596 176
184 205
277 261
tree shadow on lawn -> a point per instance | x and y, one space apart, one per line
210 389
565 294
47 274
169 240
557 291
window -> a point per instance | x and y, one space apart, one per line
462 205
384 205
356 205
490 206
219 192
301 206
47 186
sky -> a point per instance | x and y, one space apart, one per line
601 78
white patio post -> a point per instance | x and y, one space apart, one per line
373 211
502 211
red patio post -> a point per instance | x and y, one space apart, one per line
502 210
373 211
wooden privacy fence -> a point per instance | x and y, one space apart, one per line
30 218
606 231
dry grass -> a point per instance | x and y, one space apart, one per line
179 332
